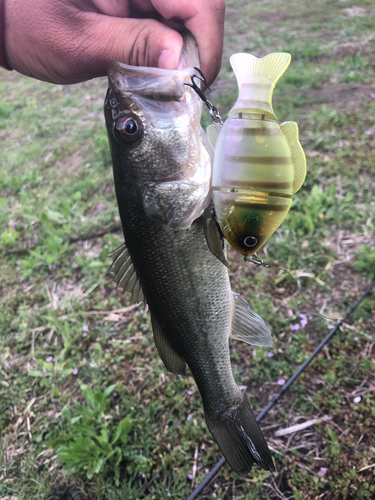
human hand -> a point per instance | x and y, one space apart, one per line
68 41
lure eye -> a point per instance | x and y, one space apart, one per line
128 128
250 241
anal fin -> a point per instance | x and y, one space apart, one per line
248 326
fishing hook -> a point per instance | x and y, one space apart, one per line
214 112
257 261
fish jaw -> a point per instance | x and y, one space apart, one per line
178 172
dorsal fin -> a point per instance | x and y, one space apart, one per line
172 361
122 273
213 132
248 326
256 80
290 130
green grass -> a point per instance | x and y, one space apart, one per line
64 328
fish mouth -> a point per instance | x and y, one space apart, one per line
156 83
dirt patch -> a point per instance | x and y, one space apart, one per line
71 164
340 92
355 11
279 15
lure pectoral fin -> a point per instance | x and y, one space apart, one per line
290 130
239 438
213 132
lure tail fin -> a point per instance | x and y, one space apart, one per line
240 439
271 67
256 80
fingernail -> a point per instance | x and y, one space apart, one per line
167 60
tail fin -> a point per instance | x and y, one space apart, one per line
256 80
240 439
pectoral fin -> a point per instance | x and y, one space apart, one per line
290 130
215 243
172 361
248 326
122 273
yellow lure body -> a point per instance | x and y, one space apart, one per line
258 164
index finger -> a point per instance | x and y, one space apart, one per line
205 20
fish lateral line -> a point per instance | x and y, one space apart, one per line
260 263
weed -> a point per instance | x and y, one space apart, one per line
365 261
90 441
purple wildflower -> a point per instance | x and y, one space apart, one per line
49 358
294 327
85 328
190 392
190 417
190 476
324 470
75 371
270 354
281 381
84 334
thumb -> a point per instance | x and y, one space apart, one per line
138 42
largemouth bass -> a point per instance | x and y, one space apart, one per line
187 288
258 164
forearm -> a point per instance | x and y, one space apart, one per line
3 60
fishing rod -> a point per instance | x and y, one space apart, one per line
296 374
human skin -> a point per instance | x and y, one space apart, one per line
69 41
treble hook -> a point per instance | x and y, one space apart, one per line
214 112
257 261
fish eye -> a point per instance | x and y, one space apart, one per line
128 128
250 241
